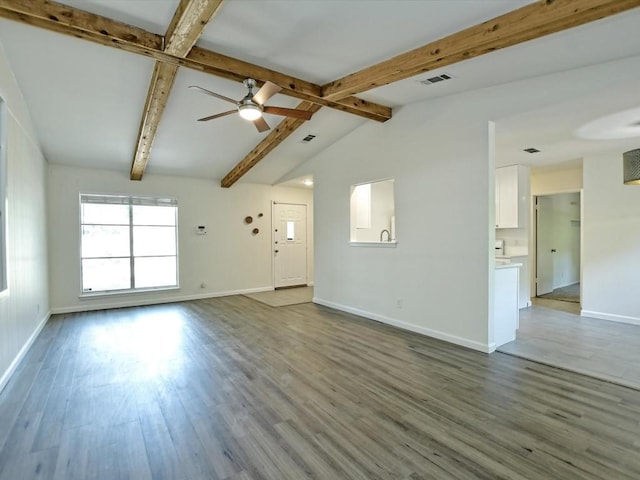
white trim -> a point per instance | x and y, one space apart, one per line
128 291
374 244
310 284
464 342
138 302
6 376
611 317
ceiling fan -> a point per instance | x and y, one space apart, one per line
251 107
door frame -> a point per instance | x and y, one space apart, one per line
533 238
273 239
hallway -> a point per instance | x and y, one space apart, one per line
553 333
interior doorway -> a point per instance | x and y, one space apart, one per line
558 245
289 245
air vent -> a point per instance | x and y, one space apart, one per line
308 138
437 79
531 150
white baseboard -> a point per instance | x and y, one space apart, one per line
309 284
464 342
139 302
6 376
610 317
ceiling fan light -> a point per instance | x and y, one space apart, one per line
250 112
631 167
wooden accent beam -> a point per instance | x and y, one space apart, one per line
527 23
63 19
271 141
157 96
235 69
185 28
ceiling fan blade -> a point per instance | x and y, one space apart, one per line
267 91
213 94
217 115
261 124
289 112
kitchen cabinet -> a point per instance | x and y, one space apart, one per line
512 196
506 314
524 290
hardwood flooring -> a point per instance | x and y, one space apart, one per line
229 388
284 297
600 348
570 293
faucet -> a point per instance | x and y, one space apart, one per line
388 235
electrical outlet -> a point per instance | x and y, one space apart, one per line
398 303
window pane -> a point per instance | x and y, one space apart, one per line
155 272
151 241
105 214
151 215
105 274
105 241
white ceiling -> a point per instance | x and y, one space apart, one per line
87 99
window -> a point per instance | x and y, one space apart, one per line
373 212
128 243
3 198
291 228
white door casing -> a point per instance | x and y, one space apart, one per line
544 253
289 244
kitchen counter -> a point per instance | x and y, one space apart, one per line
500 265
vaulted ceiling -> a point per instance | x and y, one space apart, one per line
130 109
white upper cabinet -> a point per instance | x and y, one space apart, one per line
512 197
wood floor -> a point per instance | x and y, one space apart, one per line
570 293
601 348
284 297
230 388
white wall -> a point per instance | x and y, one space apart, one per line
438 152
546 182
611 241
229 259
436 281
24 307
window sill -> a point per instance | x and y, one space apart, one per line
374 244
89 295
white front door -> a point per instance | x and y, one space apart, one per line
289 244
545 250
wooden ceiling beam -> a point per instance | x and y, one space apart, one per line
527 23
67 20
185 28
235 69
532 21
271 141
